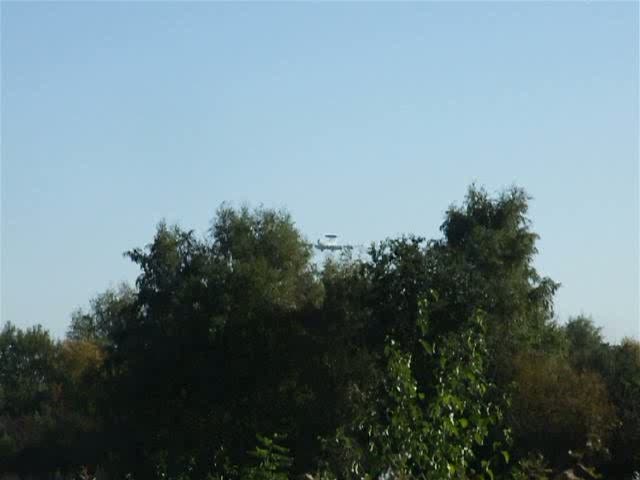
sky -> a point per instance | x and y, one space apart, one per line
363 119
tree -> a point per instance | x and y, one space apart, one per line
619 367
624 386
557 409
27 369
403 431
587 349
104 316
266 254
272 461
214 348
28 385
46 419
485 261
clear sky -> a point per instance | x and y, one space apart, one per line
367 119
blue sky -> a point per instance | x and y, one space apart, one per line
367 119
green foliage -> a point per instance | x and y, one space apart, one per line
27 369
104 316
624 385
267 257
557 409
619 367
587 349
44 422
216 340
532 467
240 332
437 434
272 461
485 262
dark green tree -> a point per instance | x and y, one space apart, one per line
27 369
485 261
271 460
45 425
586 346
214 348
624 388
619 367
103 318
558 409
402 431
239 332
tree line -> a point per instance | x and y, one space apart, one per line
237 356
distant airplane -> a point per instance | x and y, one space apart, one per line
330 243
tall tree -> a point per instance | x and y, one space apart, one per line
624 387
485 261
214 348
101 321
587 348
28 370
558 409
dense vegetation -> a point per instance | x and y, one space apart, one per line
235 356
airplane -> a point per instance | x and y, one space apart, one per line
329 243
